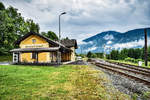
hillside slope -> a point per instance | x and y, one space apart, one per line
114 40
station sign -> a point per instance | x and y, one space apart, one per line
35 45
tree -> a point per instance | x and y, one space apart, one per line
114 54
12 27
89 54
66 38
50 35
99 55
2 7
32 26
123 54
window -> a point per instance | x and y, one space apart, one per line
33 55
33 40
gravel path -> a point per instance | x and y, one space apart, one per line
4 63
78 62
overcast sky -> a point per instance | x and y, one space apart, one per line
85 18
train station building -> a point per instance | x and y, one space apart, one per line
37 49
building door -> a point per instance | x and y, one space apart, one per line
15 57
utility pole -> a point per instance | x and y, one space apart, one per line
145 50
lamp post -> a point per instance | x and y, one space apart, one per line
60 27
59 53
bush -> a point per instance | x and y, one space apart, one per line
129 59
137 60
132 60
93 55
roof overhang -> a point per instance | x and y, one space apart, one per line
35 49
51 49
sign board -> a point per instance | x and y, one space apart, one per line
35 45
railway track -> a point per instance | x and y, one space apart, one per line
139 68
129 70
137 75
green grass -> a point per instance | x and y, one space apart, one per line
6 58
68 82
126 62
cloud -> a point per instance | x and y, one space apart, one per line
85 43
85 18
132 44
91 49
109 42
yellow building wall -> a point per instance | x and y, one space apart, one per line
26 57
40 43
44 57
73 56
27 43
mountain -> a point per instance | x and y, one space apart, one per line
114 40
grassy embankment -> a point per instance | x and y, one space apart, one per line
67 82
127 62
6 58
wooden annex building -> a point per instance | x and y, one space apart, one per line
37 49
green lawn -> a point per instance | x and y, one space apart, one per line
67 82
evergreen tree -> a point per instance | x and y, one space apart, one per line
114 54
2 7
89 54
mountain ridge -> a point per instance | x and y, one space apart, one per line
115 40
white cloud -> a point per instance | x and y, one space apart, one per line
129 44
91 49
109 42
85 18
82 43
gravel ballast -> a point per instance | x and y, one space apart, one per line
78 62
125 85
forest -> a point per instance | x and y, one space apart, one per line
13 26
131 54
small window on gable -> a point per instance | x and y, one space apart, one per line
33 41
